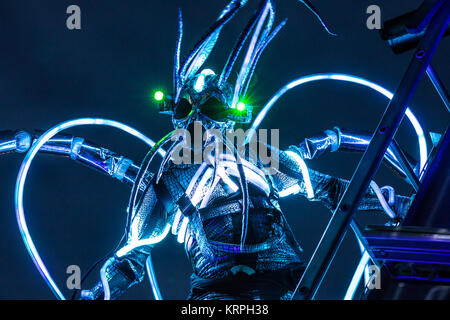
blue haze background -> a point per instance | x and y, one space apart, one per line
110 69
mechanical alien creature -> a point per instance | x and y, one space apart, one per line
225 209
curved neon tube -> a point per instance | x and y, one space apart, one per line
195 199
305 173
21 178
176 222
357 276
183 228
348 78
198 191
250 175
195 178
288 191
143 242
104 279
152 278
366 270
382 200
227 180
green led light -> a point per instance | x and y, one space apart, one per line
241 106
159 95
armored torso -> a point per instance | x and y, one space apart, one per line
211 233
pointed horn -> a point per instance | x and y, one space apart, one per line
176 70
204 47
238 47
258 55
250 52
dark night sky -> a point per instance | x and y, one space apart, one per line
110 67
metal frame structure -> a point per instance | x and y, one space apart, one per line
343 215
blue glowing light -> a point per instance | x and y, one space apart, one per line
207 72
176 222
357 276
347 78
152 278
143 242
104 279
295 189
304 169
183 228
199 83
21 178
382 200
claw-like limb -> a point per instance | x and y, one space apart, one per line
78 149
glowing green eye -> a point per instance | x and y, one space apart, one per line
159 95
241 106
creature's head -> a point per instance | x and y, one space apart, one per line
210 98
202 99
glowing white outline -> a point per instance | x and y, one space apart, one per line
143 242
176 222
21 178
348 78
183 228
357 276
305 173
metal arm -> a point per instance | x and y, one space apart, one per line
78 149
14 141
351 140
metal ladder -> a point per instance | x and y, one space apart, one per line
433 25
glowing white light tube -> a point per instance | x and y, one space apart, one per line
227 180
348 78
382 200
305 172
104 279
288 191
21 178
152 278
357 276
198 192
143 242
250 175
176 222
182 232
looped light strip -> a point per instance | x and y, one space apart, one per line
301 163
347 78
143 242
21 178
